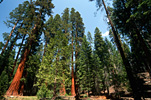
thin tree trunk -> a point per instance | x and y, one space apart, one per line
145 48
125 61
76 59
17 55
72 74
12 45
55 81
44 53
54 89
44 50
107 80
76 52
9 37
115 69
43 57
62 89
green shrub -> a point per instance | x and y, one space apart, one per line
66 94
69 93
85 96
3 83
43 92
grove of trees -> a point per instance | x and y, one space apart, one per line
55 57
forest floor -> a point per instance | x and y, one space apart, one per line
69 98
65 98
125 96
82 97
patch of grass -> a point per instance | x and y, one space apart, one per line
21 98
85 96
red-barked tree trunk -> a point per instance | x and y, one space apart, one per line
14 87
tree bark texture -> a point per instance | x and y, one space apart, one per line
22 85
14 87
72 74
62 89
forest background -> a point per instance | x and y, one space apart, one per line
58 57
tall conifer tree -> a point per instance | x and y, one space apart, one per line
34 20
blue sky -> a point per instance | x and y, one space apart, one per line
86 9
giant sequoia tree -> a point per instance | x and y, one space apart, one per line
8 50
77 31
33 25
72 19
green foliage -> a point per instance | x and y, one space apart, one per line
66 94
84 66
85 96
69 93
1 45
3 83
88 99
44 92
95 70
99 46
65 21
127 17
5 36
28 18
51 64
89 38
54 68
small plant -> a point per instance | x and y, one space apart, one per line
85 95
70 93
66 94
44 92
